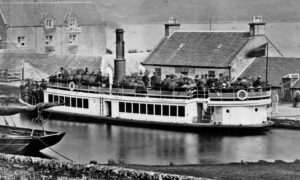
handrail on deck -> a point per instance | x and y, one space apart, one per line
187 93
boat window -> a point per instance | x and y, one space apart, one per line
165 110
61 99
79 102
73 102
55 98
50 98
143 108
121 107
67 101
173 110
181 111
135 108
128 107
85 103
150 109
157 109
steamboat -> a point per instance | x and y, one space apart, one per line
242 110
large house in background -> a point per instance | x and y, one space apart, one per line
52 28
207 52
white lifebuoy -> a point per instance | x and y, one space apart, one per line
72 86
242 94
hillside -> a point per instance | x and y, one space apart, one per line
141 11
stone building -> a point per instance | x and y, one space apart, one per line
193 53
52 27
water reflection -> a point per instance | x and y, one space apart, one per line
87 141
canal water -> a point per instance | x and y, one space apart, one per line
90 141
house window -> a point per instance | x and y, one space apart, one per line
158 72
49 40
49 23
73 38
21 41
72 22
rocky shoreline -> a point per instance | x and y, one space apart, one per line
23 167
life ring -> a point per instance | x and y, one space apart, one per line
242 94
72 86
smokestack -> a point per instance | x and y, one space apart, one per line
120 63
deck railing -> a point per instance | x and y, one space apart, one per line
184 93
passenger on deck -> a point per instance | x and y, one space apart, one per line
146 80
238 84
62 74
209 82
257 82
86 72
154 80
99 77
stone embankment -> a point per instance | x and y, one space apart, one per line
286 122
23 167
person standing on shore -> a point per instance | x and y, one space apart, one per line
296 99
275 101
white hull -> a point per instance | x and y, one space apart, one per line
161 111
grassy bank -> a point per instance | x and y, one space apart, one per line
234 171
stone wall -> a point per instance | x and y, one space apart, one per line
23 167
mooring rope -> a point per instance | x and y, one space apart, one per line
56 151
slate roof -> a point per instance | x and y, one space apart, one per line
30 14
198 49
278 67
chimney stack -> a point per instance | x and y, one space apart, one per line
257 26
171 26
120 63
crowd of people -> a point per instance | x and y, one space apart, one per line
202 83
32 91
145 80
80 76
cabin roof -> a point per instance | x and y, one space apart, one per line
31 14
198 49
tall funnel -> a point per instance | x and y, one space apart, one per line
120 63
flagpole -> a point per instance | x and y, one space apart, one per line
267 61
